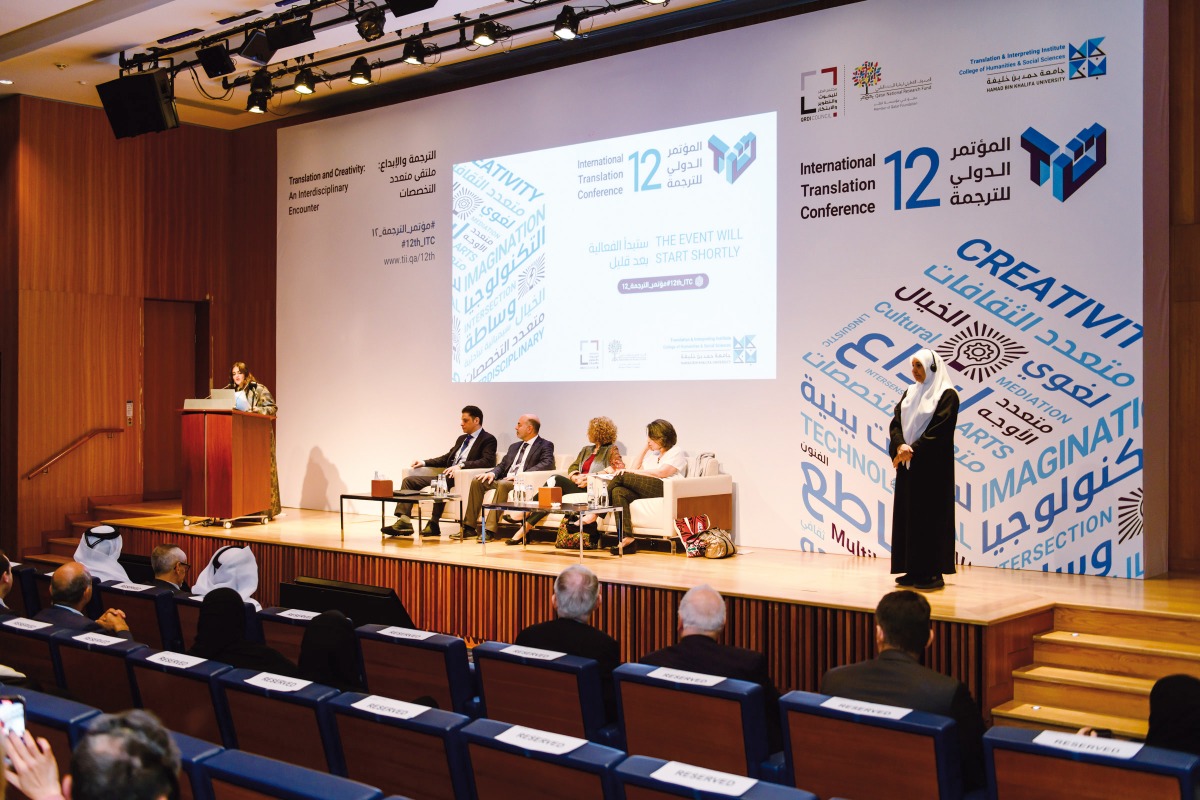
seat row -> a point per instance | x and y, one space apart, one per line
832 747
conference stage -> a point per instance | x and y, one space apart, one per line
809 612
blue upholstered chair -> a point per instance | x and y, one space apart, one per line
26 646
660 718
233 773
23 599
561 694
413 664
1019 768
182 693
93 668
149 611
279 723
500 770
192 753
283 629
400 747
915 756
633 776
188 609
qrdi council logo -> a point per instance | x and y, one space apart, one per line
1070 166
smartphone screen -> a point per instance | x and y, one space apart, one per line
12 715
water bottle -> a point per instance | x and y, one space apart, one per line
440 487
601 492
519 487
591 491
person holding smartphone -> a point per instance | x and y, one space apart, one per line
29 764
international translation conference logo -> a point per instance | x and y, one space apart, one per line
1069 167
1087 60
733 161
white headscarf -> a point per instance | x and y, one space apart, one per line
98 550
233 567
921 399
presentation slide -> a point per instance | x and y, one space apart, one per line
647 257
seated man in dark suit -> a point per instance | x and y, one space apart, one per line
701 621
576 594
895 677
171 568
529 454
475 449
70 592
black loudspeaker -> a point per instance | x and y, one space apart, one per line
402 8
287 34
138 103
364 604
215 60
257 48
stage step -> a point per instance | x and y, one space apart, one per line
1159 627
1019 714
46 562
1119 655
63 546
1121 695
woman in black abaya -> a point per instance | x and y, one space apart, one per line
922 451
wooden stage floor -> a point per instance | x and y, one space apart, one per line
975 595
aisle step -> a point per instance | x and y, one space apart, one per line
1045 685
1019 714
1144 658
63 546
1178 628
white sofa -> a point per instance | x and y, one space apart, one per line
653 518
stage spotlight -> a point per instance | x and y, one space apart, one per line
656 2
360 72
370 24
488 32
215 60
566 24
261 91
305 82
414 52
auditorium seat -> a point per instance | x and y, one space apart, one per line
188 609
94 670
634 779
25 644
280 723
149 611
182 691
22 600
569 698
192 753
407 664
660 718
1021 768
58 720
283 629
235 775
502 769
916 756
400 747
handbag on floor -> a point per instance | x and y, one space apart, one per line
690 531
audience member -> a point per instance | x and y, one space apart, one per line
528 454
231 567
171 568
1175 714
98 550
70 593
895 677
576 595
221 636
475 449
701 621
7 674
329 653
129 756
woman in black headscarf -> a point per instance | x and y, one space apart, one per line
329 653
221 636
1175 714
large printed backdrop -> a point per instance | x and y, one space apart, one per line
963 176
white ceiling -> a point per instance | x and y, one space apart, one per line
61 49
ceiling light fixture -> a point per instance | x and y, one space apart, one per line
306 82
261 91
360 72
370 24
488 32
656 2
415 51
566 24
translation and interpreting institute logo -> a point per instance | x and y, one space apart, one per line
1087 60
1068 170
733 161
744 350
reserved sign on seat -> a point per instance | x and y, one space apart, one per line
683 676
708 780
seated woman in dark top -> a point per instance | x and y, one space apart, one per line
1175 714
329 653
221 636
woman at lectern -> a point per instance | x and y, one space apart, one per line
256 397
922 451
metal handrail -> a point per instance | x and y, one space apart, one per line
44 467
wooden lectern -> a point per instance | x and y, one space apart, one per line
226 463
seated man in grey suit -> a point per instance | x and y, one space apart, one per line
475 449
576 595
895 677
171 568
70 592
701 621
529 453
